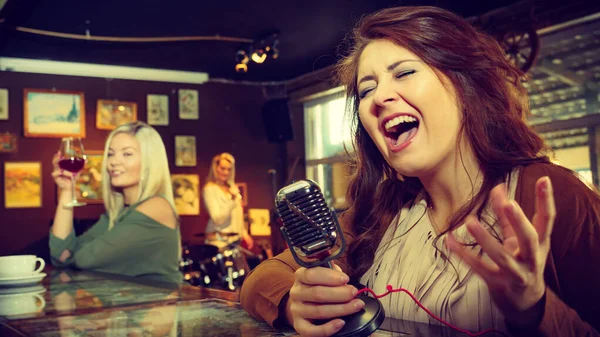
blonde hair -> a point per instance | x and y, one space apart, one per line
212 172
155 177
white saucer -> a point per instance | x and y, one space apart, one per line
21 281
36 289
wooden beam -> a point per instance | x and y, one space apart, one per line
587 121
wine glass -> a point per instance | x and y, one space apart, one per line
72 159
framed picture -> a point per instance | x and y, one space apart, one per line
186 193
158 110
244 192
53 113
188 104
110 114
259 219
22 184
89 180
8 142
3 104
185 151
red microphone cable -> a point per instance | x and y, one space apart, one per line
390 290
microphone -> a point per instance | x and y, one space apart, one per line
312 231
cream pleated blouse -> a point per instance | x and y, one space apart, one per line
407 258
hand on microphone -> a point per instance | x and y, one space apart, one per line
320 294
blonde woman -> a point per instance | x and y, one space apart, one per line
224 203
139 233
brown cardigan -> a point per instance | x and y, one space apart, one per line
572 301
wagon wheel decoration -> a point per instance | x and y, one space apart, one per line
521 47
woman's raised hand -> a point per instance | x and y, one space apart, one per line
320 294
61 177
514 271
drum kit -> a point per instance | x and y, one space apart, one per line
222 266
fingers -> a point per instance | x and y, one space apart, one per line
483 269
307 329
55 160
545 209
321 276
335 266
58 173
499 198
323 294
526 234
490 245
326 311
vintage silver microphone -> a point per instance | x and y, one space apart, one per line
312 231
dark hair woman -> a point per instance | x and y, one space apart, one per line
452 198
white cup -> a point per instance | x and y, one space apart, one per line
20 265
19 304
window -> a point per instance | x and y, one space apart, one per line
327 131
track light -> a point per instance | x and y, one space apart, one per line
257 52
259 56
272 50
241 68
242 61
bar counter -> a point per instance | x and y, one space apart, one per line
69 303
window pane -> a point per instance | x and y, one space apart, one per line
326 128
321 174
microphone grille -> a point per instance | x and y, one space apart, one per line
313 230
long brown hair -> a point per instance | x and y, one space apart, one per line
492 98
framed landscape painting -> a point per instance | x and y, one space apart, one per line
89 180
22 184
53 113
110 114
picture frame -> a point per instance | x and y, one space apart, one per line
185 151
22 184
244 192
260 219
3 104
88 185
186 191
157 110
8 142
110 114
188 104
53 113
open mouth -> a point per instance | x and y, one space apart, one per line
400 129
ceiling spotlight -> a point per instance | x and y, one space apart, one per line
259 56
272 50
242 61
241 56
241 68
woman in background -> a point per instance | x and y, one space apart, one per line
138 235
224 203
453 197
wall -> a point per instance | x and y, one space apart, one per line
230 120
574 157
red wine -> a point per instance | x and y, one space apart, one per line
73 164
